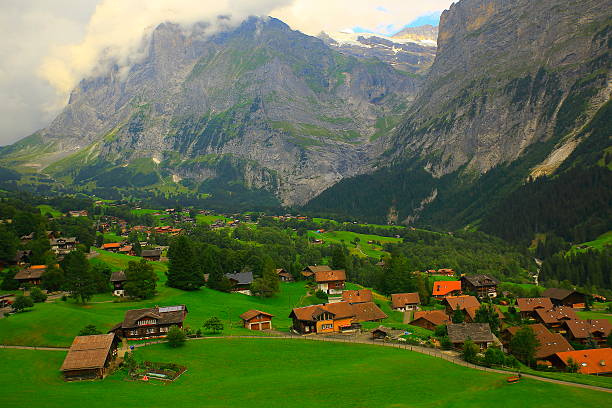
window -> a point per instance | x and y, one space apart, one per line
150 330
327 326
146 321
163 329
133 332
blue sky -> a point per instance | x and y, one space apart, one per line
432 19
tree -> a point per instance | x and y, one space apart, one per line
487 313
140 280
37 295
22 302
213 325
398 276
53 279
268 285
129 362
572 366
524 344
89 330
494 356
458 316
338 259
8 281
440 330
609 340
176 337
469 351
78 276
183 272
8 244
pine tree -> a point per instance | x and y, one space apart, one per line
183 272
77 273
140 280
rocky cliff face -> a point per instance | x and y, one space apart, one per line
424 33
509 74
289 114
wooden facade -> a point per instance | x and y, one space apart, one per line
150 323
257 320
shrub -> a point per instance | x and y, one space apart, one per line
22 302
469 351
213 325
321 295
440 331
445 343
89 330
37 295
494 356
176 337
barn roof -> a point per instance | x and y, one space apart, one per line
558 293
593 361
436 317
88 352
462 302
150 252
477 332
403 299
248 315
481 280
163 315
550 343
367 312
556 314
442 288
118 276
242 278
330 276
531 304
357 296
33 272
339 309
582 329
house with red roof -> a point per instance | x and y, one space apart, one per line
429 319
591 361
331 282
446 288
405 301
257 320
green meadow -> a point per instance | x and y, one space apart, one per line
282 373
360 247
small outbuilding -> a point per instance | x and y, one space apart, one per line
89 357
257 320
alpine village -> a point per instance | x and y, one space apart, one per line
236 213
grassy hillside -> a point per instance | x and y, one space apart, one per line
264 372
361 247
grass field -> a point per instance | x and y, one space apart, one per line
209 219
595 315
44 209
282 373
602 241
362 248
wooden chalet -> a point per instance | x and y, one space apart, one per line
528 306
564 297
63 246
555 317
357 296
483 285
309 271
89 357
331 282
241 282
591 361
112 246
429 319
334 317
405 301
367 312
118 279
446 288
386 333
257 320
31 276
127 250
479 333
283 275
150 323
463 302
550 343
151 254
582 331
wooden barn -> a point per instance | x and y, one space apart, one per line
150 323
89 357
257 320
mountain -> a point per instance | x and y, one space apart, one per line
424 33
410 54
260 113
518 90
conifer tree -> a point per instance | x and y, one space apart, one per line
183 272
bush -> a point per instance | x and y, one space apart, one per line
321 295
440 331
511 361
89 330
445 343
22 302
37 295
176 337
469 351
494 356
213 325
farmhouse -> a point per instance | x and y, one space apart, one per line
554 318
463 302
357 296
479 333
111 246
257 320
151 254
150 323
446 288
483 285
582 331
592 361
405 301
118 279
550 343
528 306
429 319
31 275
63 246
564 297
385 333
89 357
241 282
309 271
334 317
330 282
283 275
367 312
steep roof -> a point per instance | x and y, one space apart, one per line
33 272
317 268
550 343
248 315
403 299
478 332
88 352
581 329
163 315
592 361
442 288
367 312
461 302
481 280
357 296
530 304
150 252
330 276
340 310
556 314
242 278
557 293
118 276
436 317
61 240
111 245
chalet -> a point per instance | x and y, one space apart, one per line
150 323
405 301
482 285
357 296
63 246
241 282
564 297
331 282
127 250
592 361
78 213
334 317
257 320
111 246
555 317
367 312
22 257
151 254
550 343
479 333
118 279
309 271
386 333
283 275
30 276
429 319
528 306
463 302
446 272
470 313
446 288
89 357
582 331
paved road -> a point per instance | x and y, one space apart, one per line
34 348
